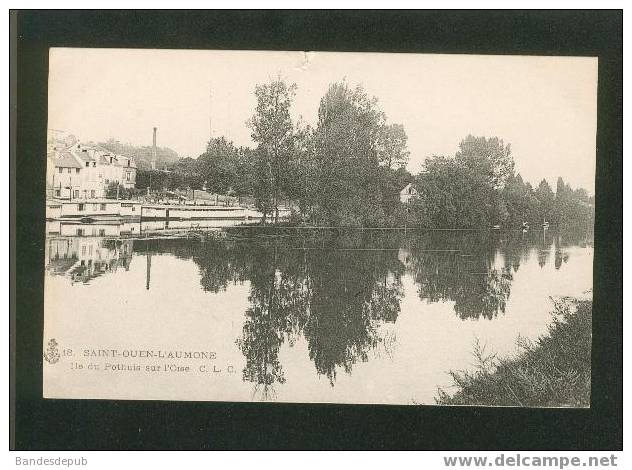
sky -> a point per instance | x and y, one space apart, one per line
546 107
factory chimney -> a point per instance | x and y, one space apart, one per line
153 151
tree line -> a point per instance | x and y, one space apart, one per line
349 168
478 187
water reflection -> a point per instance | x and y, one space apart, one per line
83 259
336 290
461 267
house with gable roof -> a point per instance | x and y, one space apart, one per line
77 171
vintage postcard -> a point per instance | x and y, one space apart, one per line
319 227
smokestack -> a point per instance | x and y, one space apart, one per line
153 153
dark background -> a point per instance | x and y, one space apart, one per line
103 424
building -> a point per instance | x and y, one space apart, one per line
77 171
407 194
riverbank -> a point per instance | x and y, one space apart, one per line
554 371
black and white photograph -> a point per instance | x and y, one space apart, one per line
319 227
316 230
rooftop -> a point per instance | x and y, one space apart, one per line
66 160
88 153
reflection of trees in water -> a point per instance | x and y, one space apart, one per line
278 306
515 250
517 246
334 297
560 256
484 295
341 290
351 294
460 267
334 289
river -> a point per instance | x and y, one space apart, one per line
345 316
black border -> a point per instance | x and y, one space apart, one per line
91 424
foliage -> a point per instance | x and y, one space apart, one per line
554 371
348 170
488 156
116 191
478 188
392 149
273 131
351 176
455 195
218 165
159 180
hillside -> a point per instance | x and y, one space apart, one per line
142 155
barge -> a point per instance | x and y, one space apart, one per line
91 210
103 210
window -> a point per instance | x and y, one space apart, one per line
92 194
76 194
79 234
128 174
87 164
102 232
133 208
77 170
81 207
69 170
83 248
95 207
102 207
58 192
94 164
61 169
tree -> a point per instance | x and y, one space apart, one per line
302 171
515 196
346 173
573 208
392 149
491 155
117 191
273 131
218 165
546 198
186 174
245 172
452 194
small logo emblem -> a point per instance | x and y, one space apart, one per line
52 354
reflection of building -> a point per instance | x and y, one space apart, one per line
85 258
77 229
78 171
403 255
407 194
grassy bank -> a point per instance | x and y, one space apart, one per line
553 371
